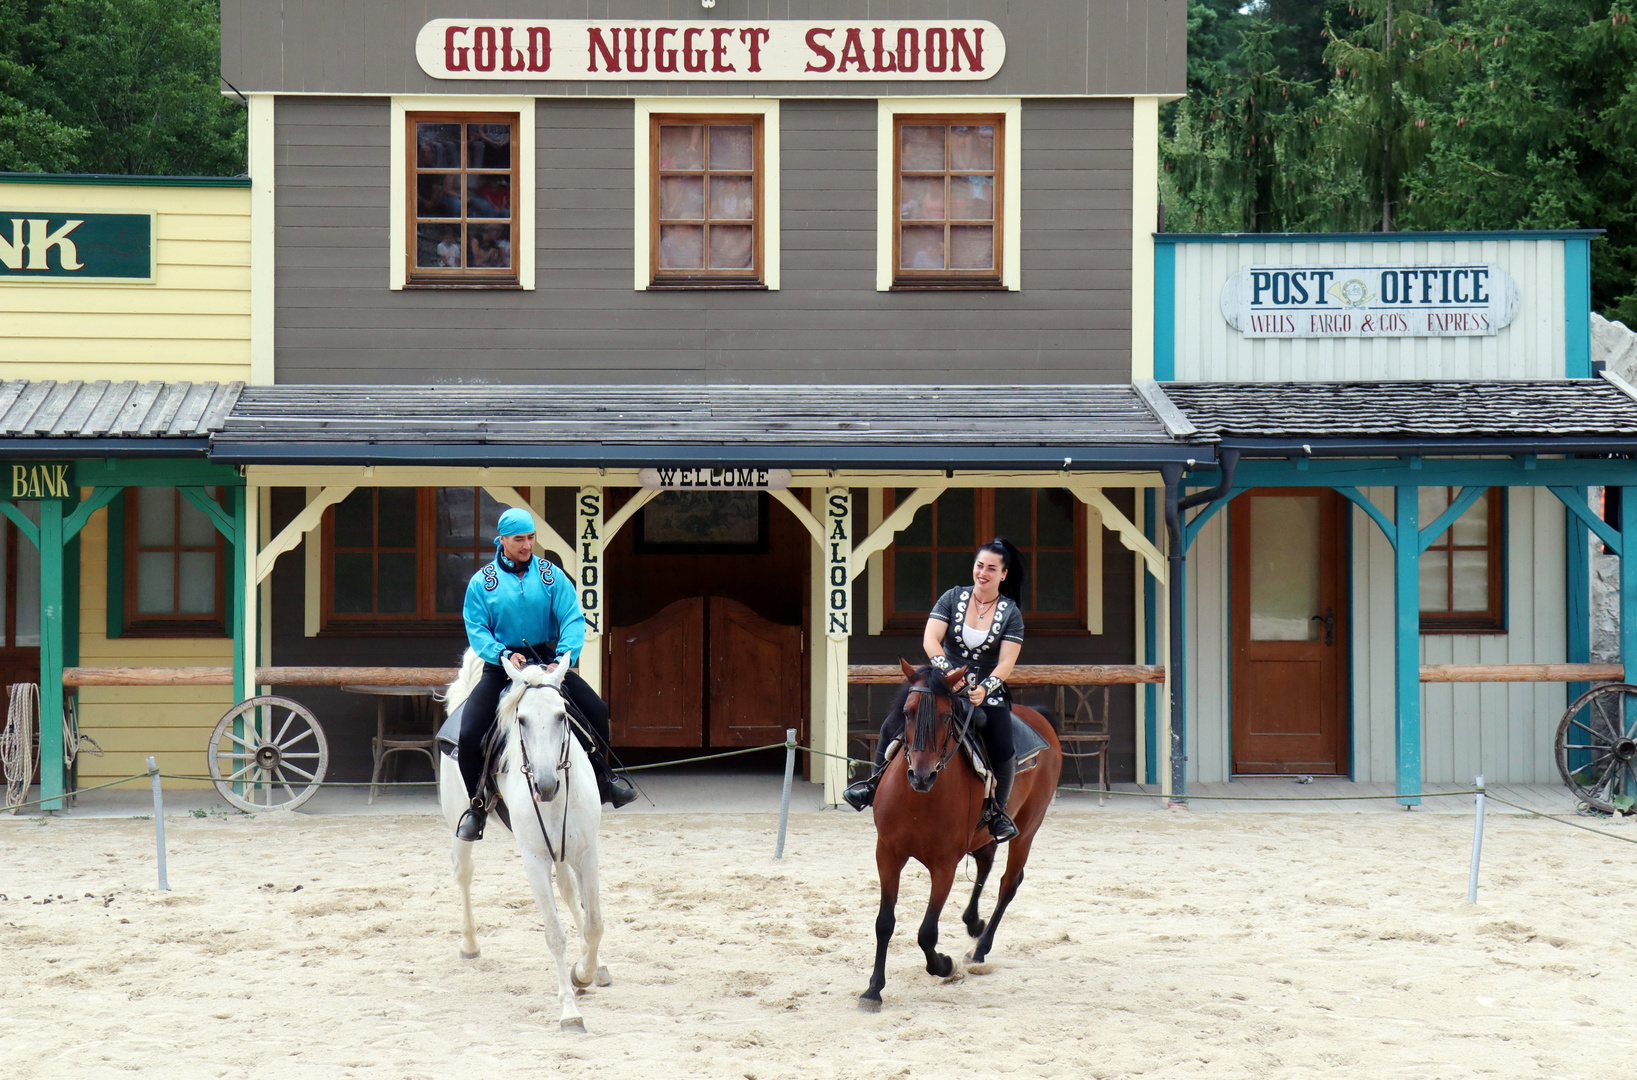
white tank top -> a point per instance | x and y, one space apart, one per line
972 636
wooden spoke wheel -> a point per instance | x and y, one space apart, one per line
268 753
1597 747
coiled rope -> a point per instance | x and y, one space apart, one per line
17 754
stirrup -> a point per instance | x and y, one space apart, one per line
1001 827
617 791
861 795
470 827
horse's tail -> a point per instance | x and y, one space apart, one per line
471 670
1050 717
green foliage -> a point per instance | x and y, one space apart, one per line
117 86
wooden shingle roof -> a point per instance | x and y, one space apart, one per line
48 409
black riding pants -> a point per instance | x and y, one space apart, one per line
997 730
478 718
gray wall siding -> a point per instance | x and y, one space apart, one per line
338 322
1111 47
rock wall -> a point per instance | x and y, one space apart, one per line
1616 345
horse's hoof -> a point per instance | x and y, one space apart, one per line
866 1003
574 1024
473 955
603 977
975 930
574 977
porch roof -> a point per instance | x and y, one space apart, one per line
802 424
65 417
1567 415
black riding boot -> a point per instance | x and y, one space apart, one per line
471 822
614 789
1001 826
861 795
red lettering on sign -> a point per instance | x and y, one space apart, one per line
664 59
909 49
884 60
451 53
973 49
819 49
937 49
719 51
631 50
693 58
595 44
539 48
483 48
510 59
755 37
853 52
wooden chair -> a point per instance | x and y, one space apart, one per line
425 712
1084 731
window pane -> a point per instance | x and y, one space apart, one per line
972 147
353 527
681 247
489 195
395 585
488 146
733 146
923 149
1284 568
156 517
437 195
1471 570
489 245
456 514
1435 581
198 583
919 533
28 584
681 146
971 198
155 583
958 520
1471 529
682 198
1054 518
488 519
396 509
454 570
732 247
912 581
1014 512
921 198
971 247
5 527
353 578
954 568
921 247
437 245
437 146
733 198
1054 581
197 530
1430 502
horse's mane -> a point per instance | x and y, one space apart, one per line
471 670
928 676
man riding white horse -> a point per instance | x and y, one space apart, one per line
524 606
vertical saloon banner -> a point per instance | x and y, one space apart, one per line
775 50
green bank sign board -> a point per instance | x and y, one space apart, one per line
52 245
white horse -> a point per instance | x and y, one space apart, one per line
536 739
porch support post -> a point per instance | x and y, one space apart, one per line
1578 584
1407 641
1628 586
588 515
838 627
247 529
52 619
1175 669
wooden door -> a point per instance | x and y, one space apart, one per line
656 678
755 676
1289 625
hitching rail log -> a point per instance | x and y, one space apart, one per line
1030 674
267 676
1522 673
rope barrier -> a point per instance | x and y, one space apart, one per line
1560 821
1274 798
79 791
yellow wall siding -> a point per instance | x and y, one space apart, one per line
192 323
131 722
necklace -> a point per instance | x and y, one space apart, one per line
984 605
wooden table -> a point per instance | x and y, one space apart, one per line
424 705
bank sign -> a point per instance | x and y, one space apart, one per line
767 50
1465 300
57 245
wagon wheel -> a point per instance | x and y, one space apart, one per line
268 753
1597 747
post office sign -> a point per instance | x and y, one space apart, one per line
1455 300
77 246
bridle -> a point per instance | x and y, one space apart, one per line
563 766
952 736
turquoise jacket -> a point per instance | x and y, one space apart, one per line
505 611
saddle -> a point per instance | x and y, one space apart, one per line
448 741
1026 747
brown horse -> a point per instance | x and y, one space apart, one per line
916 817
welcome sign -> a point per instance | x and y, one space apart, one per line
58 245
772 50
1455 300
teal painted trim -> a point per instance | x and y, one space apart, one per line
1463 502
235 582
1628 592
52 633
1374 237
115 601
1165 312
1436 472
225 524
76 521
154 472
1347 668
1407 645
30 531
1362 501
1577 583
71 589
122 180
1577 307
1151 693
1191 529
1574 498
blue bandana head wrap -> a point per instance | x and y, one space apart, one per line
513 522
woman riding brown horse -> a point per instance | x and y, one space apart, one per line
917 817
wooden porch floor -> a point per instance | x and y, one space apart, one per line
1280 794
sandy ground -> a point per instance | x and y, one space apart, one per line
1155 945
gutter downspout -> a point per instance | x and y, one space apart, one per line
1176 559
1228 458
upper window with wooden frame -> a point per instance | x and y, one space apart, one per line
707 202
1463 573
398 560
936 552
463 193
947 200
175 566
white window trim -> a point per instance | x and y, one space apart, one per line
524 243
1011 187
768 110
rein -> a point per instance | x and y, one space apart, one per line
528 773
952 739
